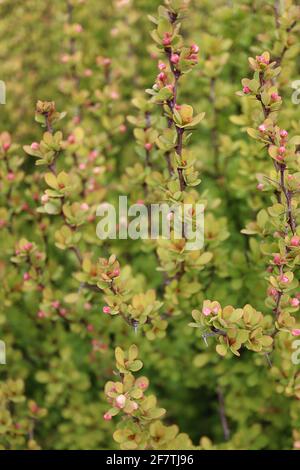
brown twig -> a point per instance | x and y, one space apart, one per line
172 105
224 422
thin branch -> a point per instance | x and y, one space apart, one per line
224 422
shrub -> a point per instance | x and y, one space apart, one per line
215 329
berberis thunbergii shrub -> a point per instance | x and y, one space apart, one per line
150 102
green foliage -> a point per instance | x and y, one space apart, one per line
73 305
141 427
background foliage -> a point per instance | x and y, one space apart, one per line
95 59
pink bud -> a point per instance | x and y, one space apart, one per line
135 405
34 408
90 328
55 303
246 90
84 206
195 48
260 186
106 61
120 401
272 292
95 344
6 146
78 28
87 306
10 176
27 246
41 314
262 128
162 76
166 39
282 149
93 155
143 385
64 58
284 279
206 311
275 97
88 72
277 259
296 332
161 65
114 95
35 146
294 302
295 241
174 58
122 128
262 60
26 276
82 166
71 139
107 416
148 146
62 312
116 272
76 120
106 309
283 133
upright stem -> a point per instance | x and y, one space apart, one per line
224 422
172 104
280 168
180 131
288 197
48 124
167 154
